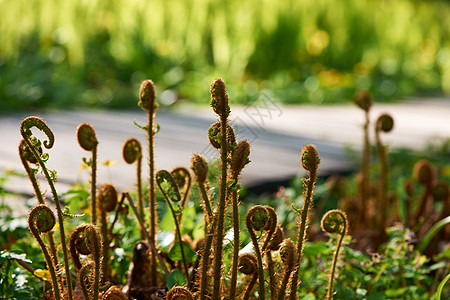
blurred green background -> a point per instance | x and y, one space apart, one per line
94 53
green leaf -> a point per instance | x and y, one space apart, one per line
314 249
189 220
395 292
77 197
375 296
439 265
87 161
22 296
176 278
441 286
309 296
198 231
66 213
168 186
53 175
443 255
45 157
231 183
156 130
145 128
167 223
297 210
432 232
34 171
175 253
2 258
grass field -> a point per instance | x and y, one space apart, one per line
94 53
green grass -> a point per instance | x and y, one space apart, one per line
94 53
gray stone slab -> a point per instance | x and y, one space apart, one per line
276 134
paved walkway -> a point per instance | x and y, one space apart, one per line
276 134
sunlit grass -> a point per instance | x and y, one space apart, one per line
391 47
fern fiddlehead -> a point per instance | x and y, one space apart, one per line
86 240
270 227
94 244
248 265
114 293
87 139
179 293
384 123
257 219
132 152
288 255
310 162
42 220
27 157
86 282
215 135
334 222
25 130
200 169
183 179
30 122
219 104
77 246
147 101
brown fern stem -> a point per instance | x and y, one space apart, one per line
219 103
310 162
42 215
26 156
26 134
236 242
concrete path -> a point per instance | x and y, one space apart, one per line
276 134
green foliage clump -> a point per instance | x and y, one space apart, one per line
304 51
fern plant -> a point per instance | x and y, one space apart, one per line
209 274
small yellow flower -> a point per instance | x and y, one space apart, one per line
87 210
10 171
83 167
43 274
108 163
